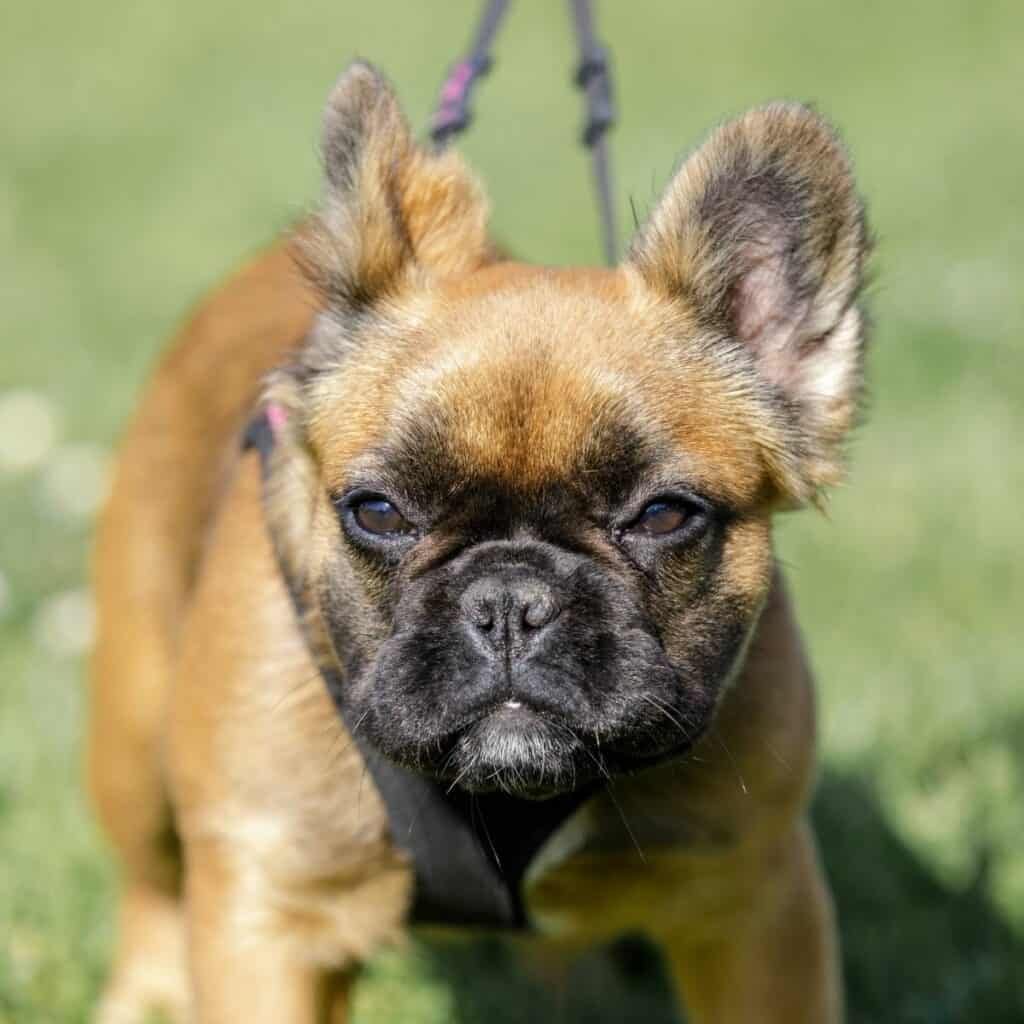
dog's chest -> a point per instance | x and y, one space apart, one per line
604 873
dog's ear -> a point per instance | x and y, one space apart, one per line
762 236
390 210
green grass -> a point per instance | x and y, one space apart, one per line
149 146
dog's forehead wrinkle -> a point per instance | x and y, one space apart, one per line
517 413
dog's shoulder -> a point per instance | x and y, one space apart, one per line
184 438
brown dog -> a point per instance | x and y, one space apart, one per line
508 546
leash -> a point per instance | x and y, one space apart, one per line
592 76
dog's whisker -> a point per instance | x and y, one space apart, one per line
735 767
294 689
476 813
610 790
667 712
359 796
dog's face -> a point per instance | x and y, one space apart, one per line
531 508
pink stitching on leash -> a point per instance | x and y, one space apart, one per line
457 81
276 417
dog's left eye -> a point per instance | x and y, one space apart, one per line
380 517
670 520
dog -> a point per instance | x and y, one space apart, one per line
483 625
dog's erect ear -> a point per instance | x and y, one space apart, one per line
390 209
762 236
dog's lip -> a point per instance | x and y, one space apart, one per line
509 708
513 709
512 713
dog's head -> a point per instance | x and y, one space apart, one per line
530 508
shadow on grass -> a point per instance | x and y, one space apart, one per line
913 951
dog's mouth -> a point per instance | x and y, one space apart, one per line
516 748
512 748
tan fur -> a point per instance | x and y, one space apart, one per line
391 210
212 733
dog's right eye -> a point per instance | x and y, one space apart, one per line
378 516
661 518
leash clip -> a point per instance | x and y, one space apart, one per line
453 115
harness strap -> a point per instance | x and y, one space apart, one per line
470 852
593 76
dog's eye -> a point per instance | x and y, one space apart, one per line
379 516
660 518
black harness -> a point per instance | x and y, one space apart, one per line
470 852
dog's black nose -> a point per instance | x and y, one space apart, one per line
509 613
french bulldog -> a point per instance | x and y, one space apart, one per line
483 626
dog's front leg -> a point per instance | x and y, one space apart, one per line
245 966
776 963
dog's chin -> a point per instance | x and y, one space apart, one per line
516 751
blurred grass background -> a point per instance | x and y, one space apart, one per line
148 147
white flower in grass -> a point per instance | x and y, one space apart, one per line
64 623
29 425
74 481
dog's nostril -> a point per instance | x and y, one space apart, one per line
483 619
538 610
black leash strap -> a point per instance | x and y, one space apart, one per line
593 76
